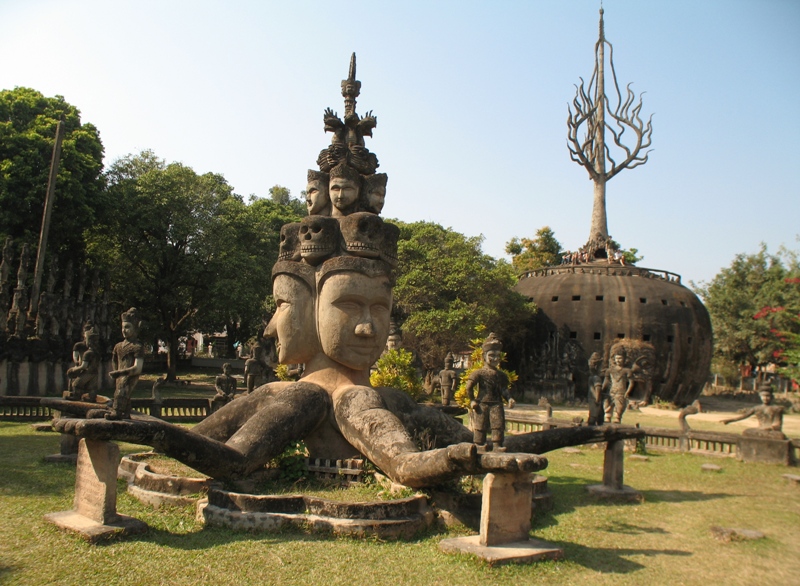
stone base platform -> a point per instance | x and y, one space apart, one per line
519 552
398 519
626 494
92 531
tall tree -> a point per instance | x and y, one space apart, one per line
447 286
283 196
169 241
28 123
543 250
736 299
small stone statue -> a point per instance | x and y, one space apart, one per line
770 417
493 385
225 385
83 377
127 361
447 380
620 384
255 368
596 410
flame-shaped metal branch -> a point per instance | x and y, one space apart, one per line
593 116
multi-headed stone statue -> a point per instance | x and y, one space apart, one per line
333 289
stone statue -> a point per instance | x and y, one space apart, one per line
83 377
770 417
448 380
333 290
596 409
127 361
225 385
487 407
692 409
317 199
255 368
619 382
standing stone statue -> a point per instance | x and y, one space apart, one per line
127 361
596 411
83 377
225 385
448 380
493 386
770 417
255 368
620 383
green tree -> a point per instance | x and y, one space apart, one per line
241 290
736 299
543 250
28 123
283 196
395 369
447 286
169 244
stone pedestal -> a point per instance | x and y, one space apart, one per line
505 524
767 451
613 474
94 513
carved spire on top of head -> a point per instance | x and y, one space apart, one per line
347 144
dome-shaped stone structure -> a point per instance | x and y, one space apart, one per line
600 307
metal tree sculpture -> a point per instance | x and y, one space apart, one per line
592 107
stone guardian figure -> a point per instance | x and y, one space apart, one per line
487 406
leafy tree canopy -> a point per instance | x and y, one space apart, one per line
737 298
185 249
28 123
543 250
446 287
283 196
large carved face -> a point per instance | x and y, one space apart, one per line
353 318
317 197
293 323
343 193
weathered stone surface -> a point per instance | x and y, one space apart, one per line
523 552
767 451
729 534
94 516
711 468
639 458
792 478
506 508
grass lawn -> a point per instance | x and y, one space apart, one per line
665 540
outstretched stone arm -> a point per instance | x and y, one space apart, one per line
541 442
745 415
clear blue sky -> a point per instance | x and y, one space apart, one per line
471 99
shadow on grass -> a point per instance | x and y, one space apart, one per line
613 561
681 496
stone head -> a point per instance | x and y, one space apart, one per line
375 192
226 368
492 351
318 237
289 247
318 201
344 189
293 326
131 322
354 301
362 234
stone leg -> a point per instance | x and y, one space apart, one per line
505 524
94 513
613 487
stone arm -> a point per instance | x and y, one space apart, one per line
471 394
219 385
134 370
541 442
631 382
745 415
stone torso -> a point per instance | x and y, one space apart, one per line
492 385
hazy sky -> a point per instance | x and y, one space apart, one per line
471 99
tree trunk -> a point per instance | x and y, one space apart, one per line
172 355
599 230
